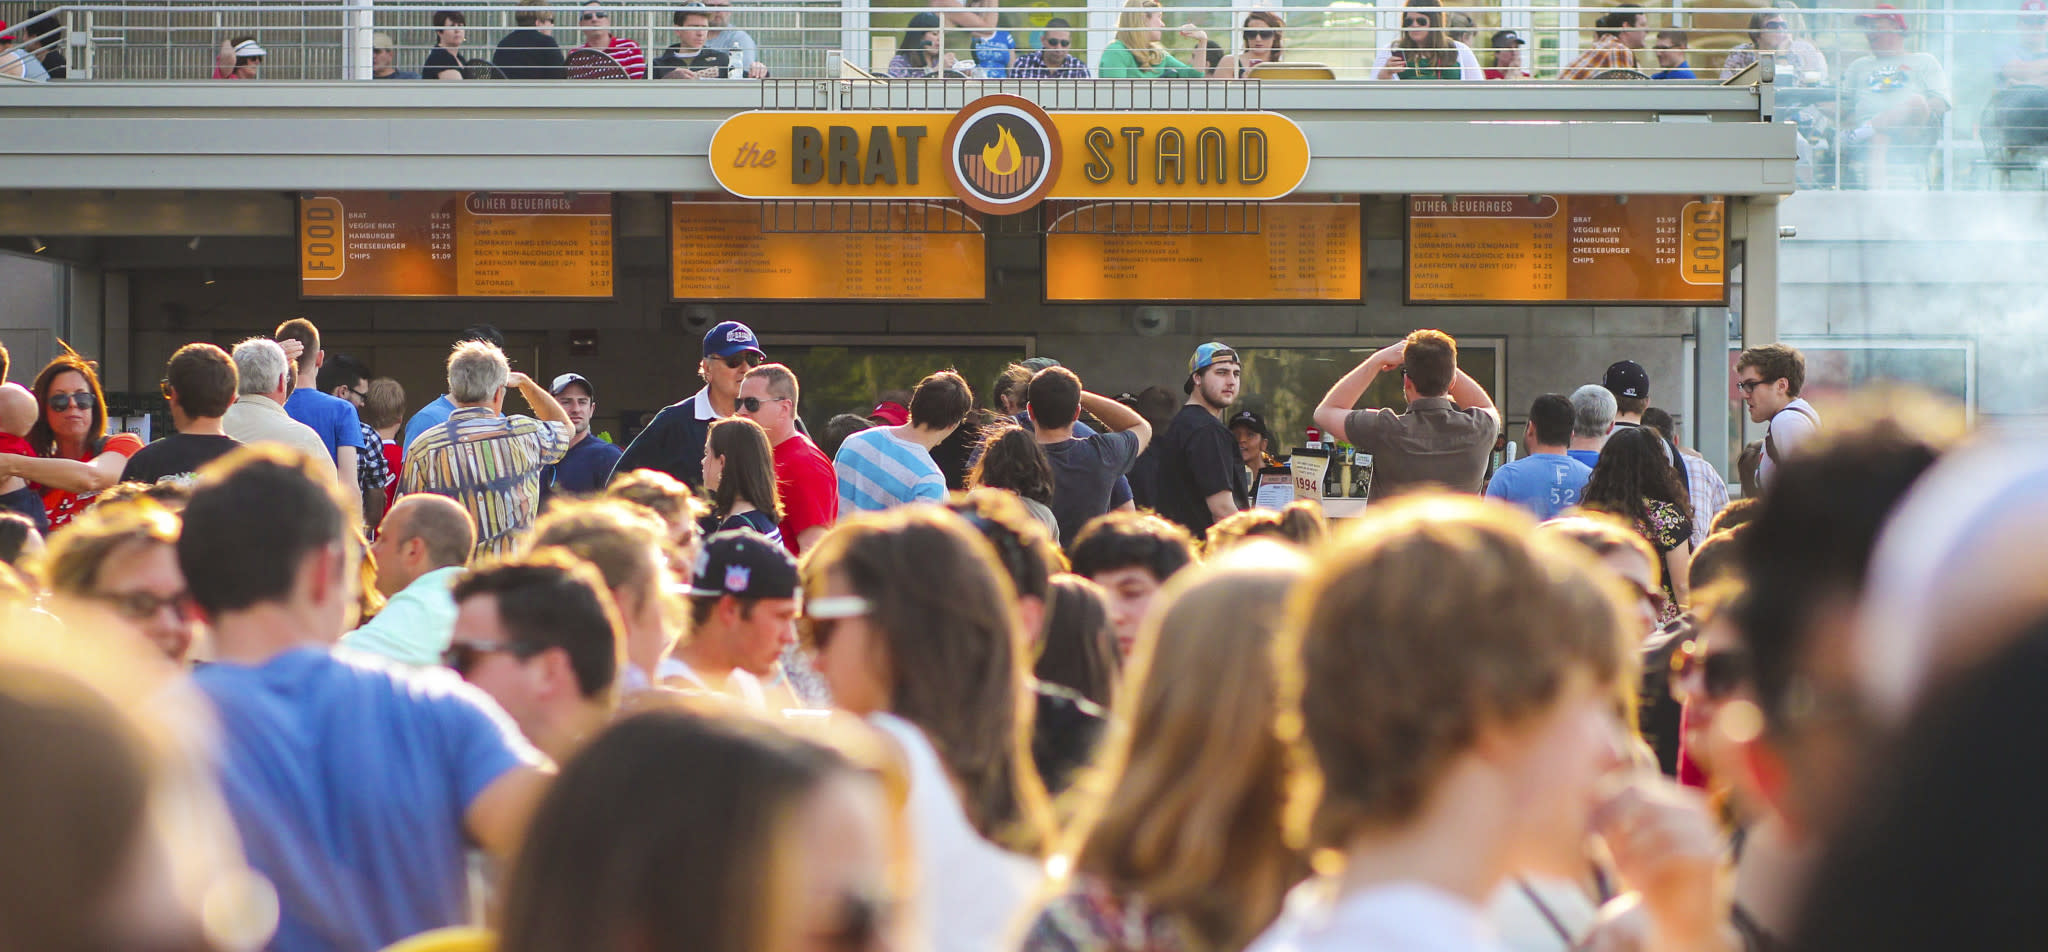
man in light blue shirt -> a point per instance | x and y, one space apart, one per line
1547 481
421 549
889 466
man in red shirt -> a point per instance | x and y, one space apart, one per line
597 35
804 477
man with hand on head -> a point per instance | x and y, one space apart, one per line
482 458
333 419
673 441
804 478
1201 472
1444 438
743 608
540 635
588 464
1083 469
420 550
437 411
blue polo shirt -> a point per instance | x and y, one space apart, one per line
330 416
584 469
430 416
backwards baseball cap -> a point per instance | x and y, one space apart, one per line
1036 364
562 383
1257 423
1894 18
1626 378
1205 356
248 48
744 564
729 338
1506 38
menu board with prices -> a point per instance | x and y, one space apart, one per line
1295 251
1567 249
456 245
720 251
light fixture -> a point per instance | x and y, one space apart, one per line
193 245
36 246
208 276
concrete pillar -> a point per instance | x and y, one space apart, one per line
1759 283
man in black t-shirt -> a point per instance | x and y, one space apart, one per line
1084 470
688 59
531 52
200 383
1201 479
442 63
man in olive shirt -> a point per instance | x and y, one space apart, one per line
1444 438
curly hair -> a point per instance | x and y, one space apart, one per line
1012 459
1633 469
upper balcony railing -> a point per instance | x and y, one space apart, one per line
1943 99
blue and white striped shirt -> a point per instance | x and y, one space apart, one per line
880 470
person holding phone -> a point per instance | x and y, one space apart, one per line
689 58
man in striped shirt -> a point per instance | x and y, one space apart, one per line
597 35
483 459
890 466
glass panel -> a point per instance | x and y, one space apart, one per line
1284 384
835 380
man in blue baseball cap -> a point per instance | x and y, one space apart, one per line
1201 476
674 441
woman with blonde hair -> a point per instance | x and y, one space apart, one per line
1136 53
1184 849
1262 44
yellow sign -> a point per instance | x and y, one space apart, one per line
719 251
1003 154
1298 252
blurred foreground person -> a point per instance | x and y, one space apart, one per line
625 544
540 636
676 832
1131 554
1183 848
119 565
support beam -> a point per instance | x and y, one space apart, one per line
1710 387
1759 281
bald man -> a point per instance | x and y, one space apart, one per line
421 549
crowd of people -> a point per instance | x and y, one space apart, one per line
950 687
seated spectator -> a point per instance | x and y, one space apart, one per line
530 52
625 544
46 41
1013 461
888 466
1547 481
119 565
1054 58
2023 64
17 61
1424 50
1671 51
689 58
1130 555
919 56
449 34
1507 56
1770 31
420 551
1898 98
239 58
1618 34
736 44
596 25
540 636
993 46
384 59
1137 52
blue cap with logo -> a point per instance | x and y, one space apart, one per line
730 338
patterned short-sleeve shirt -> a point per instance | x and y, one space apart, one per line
491 465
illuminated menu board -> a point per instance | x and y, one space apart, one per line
455 245
1298 252
1566 249
719 251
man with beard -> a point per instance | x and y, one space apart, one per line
588 464
1201 477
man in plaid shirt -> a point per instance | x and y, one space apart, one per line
1054 59
1618 35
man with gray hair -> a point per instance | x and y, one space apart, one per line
257 415
483 459
1593 410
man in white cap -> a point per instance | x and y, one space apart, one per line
384 59
239 58
588 464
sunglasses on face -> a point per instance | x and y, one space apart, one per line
1414 21
143 606
1721 673
749 358
462 656
822 617
1061 44
1260 34
754 404
65 401
1664 48
860 921
1749 386
1778 25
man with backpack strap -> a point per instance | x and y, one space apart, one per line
1770 378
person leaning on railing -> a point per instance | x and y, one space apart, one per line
1136 53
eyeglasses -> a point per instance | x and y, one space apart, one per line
754 404
1260 34
823 615
1414 21
1778 25
65 401
462 656
1662 47
1061 44
361 395
143 606
1722 673
748 358
1749 386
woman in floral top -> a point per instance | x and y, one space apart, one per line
1180 848
1636 481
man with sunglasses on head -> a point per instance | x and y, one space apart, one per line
743 609
673 441
804 476
1054 58
1770 378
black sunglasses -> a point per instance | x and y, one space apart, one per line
65 401
1260 34
462 656
754 404
748 358
1722 673
142 606
1059 43
1414 21
860 922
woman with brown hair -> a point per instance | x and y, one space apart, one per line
739 469
1012 460
1183 849
1424 50
75 456
916 629
1078 648
1262 44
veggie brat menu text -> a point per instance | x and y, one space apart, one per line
456 244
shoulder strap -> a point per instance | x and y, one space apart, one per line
1771 445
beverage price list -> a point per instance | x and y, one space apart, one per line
1298 251
719 251
1566 249
456 245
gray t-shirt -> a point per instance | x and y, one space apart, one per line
1083 472
1436 442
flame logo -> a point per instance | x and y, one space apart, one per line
1002 156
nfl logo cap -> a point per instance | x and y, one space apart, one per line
744 564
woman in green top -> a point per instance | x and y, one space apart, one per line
1137 54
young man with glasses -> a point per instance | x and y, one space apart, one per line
531 52
673 442
541 637
804 477
1771 377
346 378
1671 50
1054 58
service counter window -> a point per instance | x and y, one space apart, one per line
1285 378
849 375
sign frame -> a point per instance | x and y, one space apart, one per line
298 237
1408 251
668 221
1356 201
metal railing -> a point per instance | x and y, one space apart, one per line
1993 132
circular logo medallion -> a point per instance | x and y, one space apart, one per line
1002 154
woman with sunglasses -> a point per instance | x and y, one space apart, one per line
1424 50
1262 44
1770 31
739 470
1137 52
677 831
1636 481
75 456
916 629
119 564
921 54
